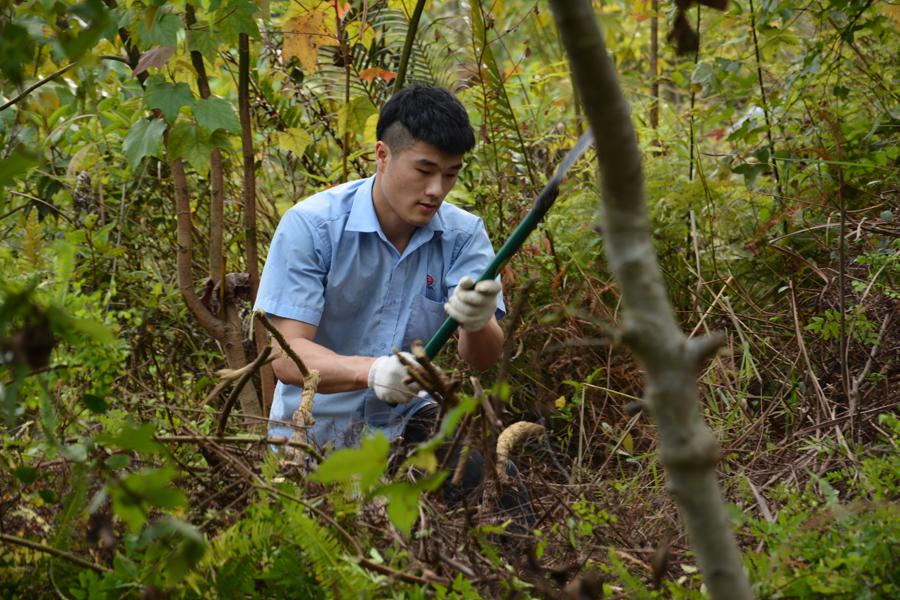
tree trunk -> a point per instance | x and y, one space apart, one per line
223 323
688 449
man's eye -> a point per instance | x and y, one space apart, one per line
423 171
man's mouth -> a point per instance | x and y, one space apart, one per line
428 207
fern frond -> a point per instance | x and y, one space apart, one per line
334 571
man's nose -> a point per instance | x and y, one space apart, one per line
434 188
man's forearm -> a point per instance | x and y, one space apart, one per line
337 373
481 349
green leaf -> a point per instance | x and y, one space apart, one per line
97 17
365 464
18 164
16 50
190 143
168 97
293 140
403 499
145 138
163 30
95 404
148 487
216 113
140 439
75 452
234 17
26 475
750 171
118 461
202 39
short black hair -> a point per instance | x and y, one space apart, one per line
428 114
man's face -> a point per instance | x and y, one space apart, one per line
412 183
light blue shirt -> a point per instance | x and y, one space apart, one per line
330 265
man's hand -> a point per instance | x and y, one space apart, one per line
473 304
387 378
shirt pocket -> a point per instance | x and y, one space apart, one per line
425 318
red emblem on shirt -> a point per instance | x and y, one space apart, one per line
429 280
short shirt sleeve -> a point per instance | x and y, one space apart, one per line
473 258
292 284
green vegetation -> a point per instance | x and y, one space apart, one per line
771 165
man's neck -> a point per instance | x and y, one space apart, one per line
397 231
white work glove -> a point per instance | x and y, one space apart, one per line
387 377
473 304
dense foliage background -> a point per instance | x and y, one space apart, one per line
771 159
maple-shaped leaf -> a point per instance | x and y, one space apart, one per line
145 138
303 34
216 113
168 97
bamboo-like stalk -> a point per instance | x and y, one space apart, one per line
407 45
776 204
694 99
688 449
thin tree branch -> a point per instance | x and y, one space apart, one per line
184 255
53 76
285 347
248 372
12 539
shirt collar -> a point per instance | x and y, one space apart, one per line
362 213
363 218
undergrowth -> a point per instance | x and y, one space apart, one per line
106 379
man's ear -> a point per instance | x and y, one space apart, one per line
382 155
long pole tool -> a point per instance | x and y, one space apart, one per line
542 204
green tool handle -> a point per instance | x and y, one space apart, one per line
543 203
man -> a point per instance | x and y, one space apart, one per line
374 264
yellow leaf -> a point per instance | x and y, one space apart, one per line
370 131
402 5
293 140
303 35
893 13
352 117
560 402
628 443
642 9
423 460
365 38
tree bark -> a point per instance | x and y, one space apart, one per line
184 255
225 326
688 449
216 176
251 245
